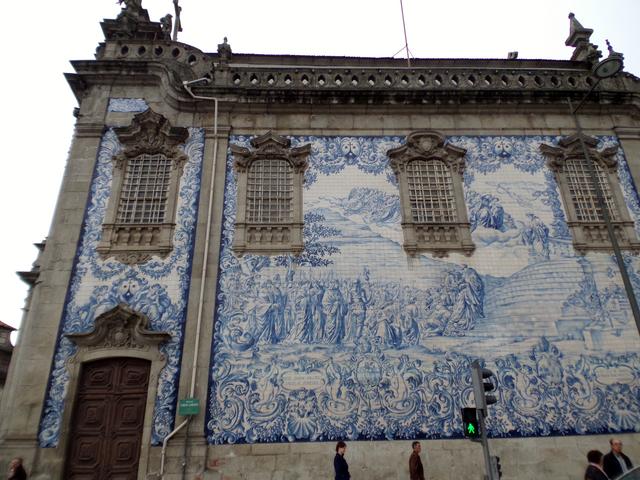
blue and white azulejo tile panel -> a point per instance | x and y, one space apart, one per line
355 340
157 288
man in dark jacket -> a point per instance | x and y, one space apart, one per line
594 469
416 471
616 462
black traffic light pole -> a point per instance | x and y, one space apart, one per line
478 374
485 446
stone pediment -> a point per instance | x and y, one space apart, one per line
151 133
570 148
121 328
426 145
271 145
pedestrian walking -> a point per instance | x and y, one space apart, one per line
594 469
416 470
339 463
16 470
615 463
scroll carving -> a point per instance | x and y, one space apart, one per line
120 327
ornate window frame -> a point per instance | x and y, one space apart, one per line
437 237
269 237
592 235
119 332
148 134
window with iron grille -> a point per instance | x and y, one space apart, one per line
269 217
430 192
269 191
140 217
583 193
585 219
144 191
434 216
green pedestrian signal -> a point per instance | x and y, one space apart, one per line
470 424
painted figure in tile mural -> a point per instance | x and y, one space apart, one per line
335 310
389 328
535 234
270 324
316 318
358 300
410 318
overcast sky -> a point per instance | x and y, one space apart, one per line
41 37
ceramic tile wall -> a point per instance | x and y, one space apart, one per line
157 288
356 340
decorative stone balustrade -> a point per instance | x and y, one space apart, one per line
418 79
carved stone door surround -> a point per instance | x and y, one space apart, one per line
118 333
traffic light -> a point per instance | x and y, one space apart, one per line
497 468
470 424
484 382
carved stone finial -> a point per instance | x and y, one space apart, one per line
133 9
609 46
167 24
132 21
575 25
134 6
579 39
224 51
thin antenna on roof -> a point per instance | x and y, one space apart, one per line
406 42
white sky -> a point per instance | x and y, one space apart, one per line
41 37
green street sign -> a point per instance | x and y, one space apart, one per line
189 406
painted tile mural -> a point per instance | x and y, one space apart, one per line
157 288
353 339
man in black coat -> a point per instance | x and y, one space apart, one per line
594 469
416 470
616 462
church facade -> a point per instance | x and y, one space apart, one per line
256 256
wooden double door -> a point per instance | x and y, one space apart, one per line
108 419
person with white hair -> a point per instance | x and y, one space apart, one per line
615 463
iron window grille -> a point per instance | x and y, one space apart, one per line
144 191
430 192
269 191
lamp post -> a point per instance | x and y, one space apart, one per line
607 68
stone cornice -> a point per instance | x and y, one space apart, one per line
282 80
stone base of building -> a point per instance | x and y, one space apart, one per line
557 458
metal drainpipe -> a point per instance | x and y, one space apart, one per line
205 260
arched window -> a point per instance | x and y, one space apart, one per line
577 189
269 196
140 217
434 216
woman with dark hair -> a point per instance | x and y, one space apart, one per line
594 469
16 470
339 463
